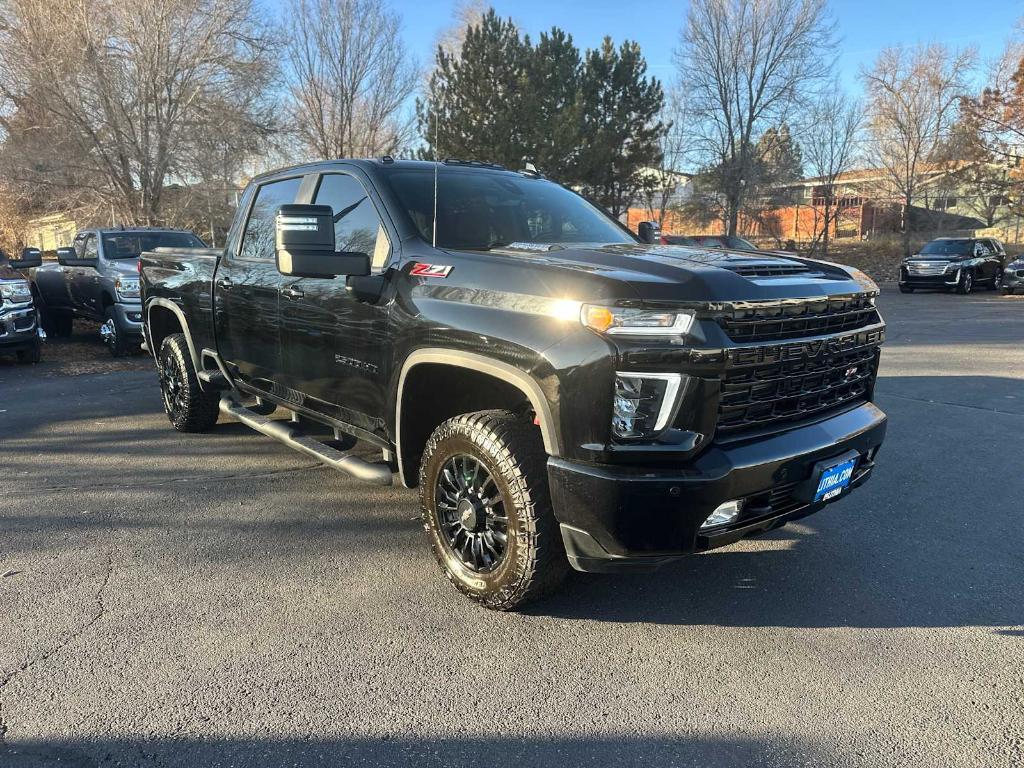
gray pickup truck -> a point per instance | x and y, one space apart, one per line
97 279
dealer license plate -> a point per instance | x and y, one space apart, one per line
835 480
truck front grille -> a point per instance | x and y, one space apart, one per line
795 318
774 387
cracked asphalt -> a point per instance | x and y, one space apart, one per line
217 600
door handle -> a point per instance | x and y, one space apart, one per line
293 293
224 283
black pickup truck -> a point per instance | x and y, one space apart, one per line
559 391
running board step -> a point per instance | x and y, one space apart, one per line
379 474
215 379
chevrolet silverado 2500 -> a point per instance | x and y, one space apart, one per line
559 392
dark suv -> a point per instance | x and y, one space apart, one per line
958 263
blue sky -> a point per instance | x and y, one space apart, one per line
865 26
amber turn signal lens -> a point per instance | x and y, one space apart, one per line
598 318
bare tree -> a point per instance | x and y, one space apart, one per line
829 143
350 78
746 65
661 184
465 14
125 86
912 99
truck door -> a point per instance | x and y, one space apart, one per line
334 345
84 282
246 288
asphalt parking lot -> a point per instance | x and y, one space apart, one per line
218 600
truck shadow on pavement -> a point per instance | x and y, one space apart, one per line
420 752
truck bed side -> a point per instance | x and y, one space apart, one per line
177 288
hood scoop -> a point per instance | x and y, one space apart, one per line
768 269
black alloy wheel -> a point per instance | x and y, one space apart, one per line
471 512
487 511
188 407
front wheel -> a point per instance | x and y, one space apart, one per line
906 289
187 406
487 511
115 338
997 281
966 283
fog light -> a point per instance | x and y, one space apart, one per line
724 514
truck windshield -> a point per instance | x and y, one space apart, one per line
128 245
478 211
947 248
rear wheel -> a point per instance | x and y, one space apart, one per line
487 512
56 324
188 407
30 355
966 282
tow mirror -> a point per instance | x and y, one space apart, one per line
649 231
67 257
30 257
305 244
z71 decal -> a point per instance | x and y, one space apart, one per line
420 269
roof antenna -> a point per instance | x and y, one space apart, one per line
437 123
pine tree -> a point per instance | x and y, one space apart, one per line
478 97
619 128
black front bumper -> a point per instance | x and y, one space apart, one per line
618 518
942 281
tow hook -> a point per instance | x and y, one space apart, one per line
108 332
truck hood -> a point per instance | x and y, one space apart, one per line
6 273
687 273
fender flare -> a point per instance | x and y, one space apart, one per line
168 304
518 378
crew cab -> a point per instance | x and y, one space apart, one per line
97 278
954 263
559 392
20 332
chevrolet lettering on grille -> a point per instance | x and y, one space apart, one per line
805 349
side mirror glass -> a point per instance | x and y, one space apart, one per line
305 244
66 255
649 231
30 257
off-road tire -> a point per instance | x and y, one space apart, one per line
906 289
966 282
30 355
120 347
511 450
188 407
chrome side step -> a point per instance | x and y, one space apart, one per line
379 474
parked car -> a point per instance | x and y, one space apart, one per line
1013 276
730 242
20 332
560 393
97 278
954 263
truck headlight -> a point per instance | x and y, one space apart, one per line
626 321
127 287
17 291
643 403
